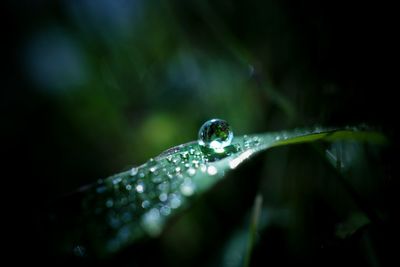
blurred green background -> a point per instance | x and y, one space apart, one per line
100 86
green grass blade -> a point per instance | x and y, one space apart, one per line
253 229
130 205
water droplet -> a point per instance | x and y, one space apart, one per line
256 140
117 180
195 163
215 134
165 210
174 201
163 186
109 203
184 155
157 179
176 160
128 187
170 176
238 147
187 187
203 168
211 170
191 171
145 204
246 142
134 171
163 197
151 222
139 187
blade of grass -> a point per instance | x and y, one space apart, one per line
128 206
253 228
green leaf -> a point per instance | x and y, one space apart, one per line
130 205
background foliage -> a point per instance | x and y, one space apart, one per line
99 86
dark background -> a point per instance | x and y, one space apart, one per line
93 87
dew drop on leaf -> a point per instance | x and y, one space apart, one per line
109 203
215 134
211 170
187 187
165 210
145 204
151 222
163 197
191 171
174 201
134 171
140 187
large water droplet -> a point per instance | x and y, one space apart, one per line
215 134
